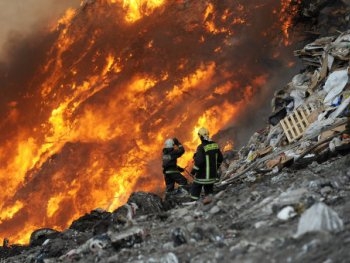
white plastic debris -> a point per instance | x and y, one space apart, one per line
286 213
319 217
298 96
291 154
97 245
330 61
93 245
335 84
335 142
275 170
291 196
340 108
127 238
260 224
301 81
170 258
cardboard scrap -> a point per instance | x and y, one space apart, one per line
332 131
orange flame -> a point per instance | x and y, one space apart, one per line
289 8
119 78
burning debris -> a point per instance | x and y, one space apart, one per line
83 150
87 105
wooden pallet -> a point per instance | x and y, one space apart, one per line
295 124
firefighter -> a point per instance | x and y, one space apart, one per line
207 161
172 150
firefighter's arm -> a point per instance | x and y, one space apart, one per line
178 148
220 159
198 159
176 141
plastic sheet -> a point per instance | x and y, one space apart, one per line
319 217
335 85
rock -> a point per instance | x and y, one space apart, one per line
179 236
128 238
88 221
39 236
147 203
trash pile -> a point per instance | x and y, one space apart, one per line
304 215
310 115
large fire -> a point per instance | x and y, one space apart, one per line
88 104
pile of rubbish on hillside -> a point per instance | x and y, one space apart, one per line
310 115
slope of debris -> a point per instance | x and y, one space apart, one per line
285 202
292 215
284 197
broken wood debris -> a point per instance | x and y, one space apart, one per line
310 115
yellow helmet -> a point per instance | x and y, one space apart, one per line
204 133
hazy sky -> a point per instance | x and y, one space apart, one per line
20 17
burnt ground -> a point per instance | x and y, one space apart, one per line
241 224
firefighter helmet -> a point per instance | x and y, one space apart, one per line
169 143
204 133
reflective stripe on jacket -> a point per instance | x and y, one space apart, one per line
170 156
207 161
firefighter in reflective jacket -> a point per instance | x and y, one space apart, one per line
172 150
207 161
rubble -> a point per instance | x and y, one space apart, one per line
269 190
312 109
272 218
127 238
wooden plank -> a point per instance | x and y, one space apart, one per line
295 124
300 119
305 117
286 130
291 130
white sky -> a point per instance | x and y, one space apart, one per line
23 16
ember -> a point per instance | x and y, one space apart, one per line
87 105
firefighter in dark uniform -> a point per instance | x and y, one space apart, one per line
207 161
172 150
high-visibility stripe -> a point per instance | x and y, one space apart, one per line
194 197
205 181
171 172
212 146
210 152
207 172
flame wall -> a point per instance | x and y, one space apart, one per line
87 105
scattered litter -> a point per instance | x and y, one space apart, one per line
319 217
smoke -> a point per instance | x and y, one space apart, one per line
20 18
85 107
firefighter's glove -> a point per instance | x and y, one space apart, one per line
176 141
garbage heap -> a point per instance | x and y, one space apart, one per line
310 115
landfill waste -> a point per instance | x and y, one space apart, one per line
283 197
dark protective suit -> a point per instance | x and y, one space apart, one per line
207 161
171 171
